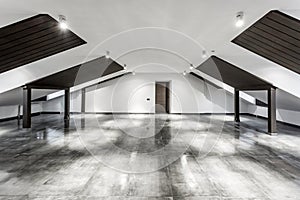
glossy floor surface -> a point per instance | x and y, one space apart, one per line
148 157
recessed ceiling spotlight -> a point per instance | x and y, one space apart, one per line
107 56
204 55
133 73
239 19
125 67
191 66
63 22
184 73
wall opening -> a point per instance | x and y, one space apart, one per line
162 97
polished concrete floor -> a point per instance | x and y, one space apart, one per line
148 157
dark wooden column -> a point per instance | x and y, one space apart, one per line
67 108
272 127
83 100
19 115
236 105
26 107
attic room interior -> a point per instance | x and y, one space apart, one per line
150 100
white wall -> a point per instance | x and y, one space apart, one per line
288 116
57 104
12 111
129 94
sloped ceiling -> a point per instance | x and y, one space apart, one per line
79 74
32 39
232 75
276 37
182 28
209 23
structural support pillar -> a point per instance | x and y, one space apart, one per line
236 105
26 107
19 115
83 96
67 108
272 127
83 100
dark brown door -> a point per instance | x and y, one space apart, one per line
162 97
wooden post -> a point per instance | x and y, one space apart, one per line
236 105
67 108
272 127
26 107
83 100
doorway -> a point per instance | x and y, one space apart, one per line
162 97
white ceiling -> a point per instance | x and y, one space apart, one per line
139 32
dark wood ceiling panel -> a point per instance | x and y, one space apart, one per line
37 43
278 34
204 80
79 74
286 19
268 56
36 49
38 56
269 50
232 75
24 24
280 27
33 49
33 39
278 48
276 37
48 33
277 43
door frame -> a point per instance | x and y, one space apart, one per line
168 96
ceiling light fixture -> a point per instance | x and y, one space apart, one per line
133 73
239 19
191 66
63 22
107 56
204 55
125 67
184 73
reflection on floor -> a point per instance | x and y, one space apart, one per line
148 157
